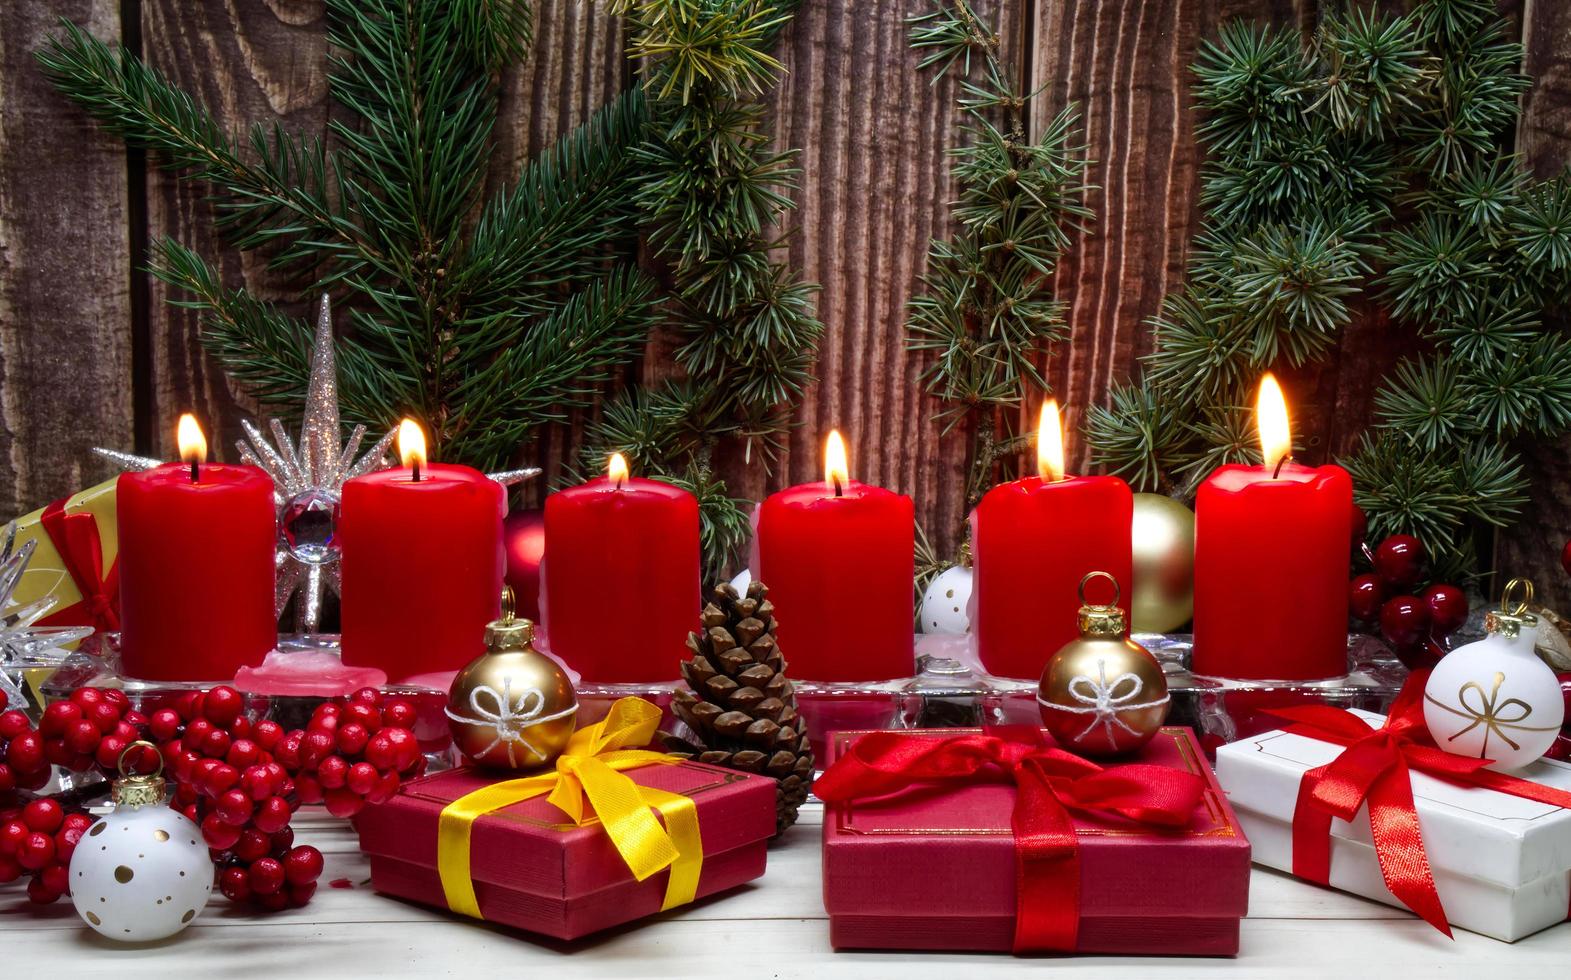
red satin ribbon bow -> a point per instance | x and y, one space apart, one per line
1376 767
75 537
1050 784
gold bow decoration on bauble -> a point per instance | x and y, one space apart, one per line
1491 713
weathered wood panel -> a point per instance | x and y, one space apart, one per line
873 131
1532 547
65 308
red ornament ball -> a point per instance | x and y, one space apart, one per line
523 540
1401 561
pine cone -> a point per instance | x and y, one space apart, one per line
742 710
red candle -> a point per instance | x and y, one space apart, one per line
196 567
838 558
1271 562
620 579
1033 541
422 563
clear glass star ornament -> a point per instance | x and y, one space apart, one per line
23 643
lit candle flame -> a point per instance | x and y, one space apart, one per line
1050 442
193 445
1276 442
411 446
836 472
616 470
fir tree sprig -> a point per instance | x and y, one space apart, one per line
986 315
482 328
1371 161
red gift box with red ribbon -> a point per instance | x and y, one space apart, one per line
958 839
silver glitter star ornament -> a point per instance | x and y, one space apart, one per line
308 479
23 644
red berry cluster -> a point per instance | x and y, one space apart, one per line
1561 747
92 728
229 782
39 840
24 765
353 752
1412 619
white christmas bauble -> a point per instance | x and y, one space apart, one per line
141 873
1494 699
946 605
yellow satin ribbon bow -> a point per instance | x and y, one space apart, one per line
590 767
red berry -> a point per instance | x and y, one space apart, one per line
343 803
43 814
308 789
221 778
12 724
1360 525
267 734
34 780
57 753
7 779
303 865
1447 608
362 778
253 844
195 731
108 752
164 724
386 788
1364 596
240 727
399 714
272 815
106 715
1421 656
26 752
86 697
366 716
287 752
299 895
332 772
275 902
39 894
257 781
366 695
9 869
1401 561
234 807
125 730
1404 620
222 705
267 876
242 753
283 841
81 736
56 717
218 834
235 883
12 833
56 878
215 745
1559 750
352 738
35 851
315 747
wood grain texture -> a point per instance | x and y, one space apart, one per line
65 307
575 66
1532 546
873 131
247 63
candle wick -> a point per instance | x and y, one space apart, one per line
196 473
839 487
1278 471
414 471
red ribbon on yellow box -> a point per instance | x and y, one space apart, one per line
1050 784
75 559
1376 766
591 768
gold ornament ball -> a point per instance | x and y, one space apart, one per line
1163 541
1102 694
512 707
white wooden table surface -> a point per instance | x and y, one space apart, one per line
774 927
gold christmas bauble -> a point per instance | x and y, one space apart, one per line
512 707
1102 693
1162 539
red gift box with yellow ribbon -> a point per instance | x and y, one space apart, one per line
612 833
968 840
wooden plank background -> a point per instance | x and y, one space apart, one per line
91 354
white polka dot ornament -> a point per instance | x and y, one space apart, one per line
946 603
142 872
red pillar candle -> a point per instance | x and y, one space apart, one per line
838 559
620 579
1271 563
421 565
196 567
1033 541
